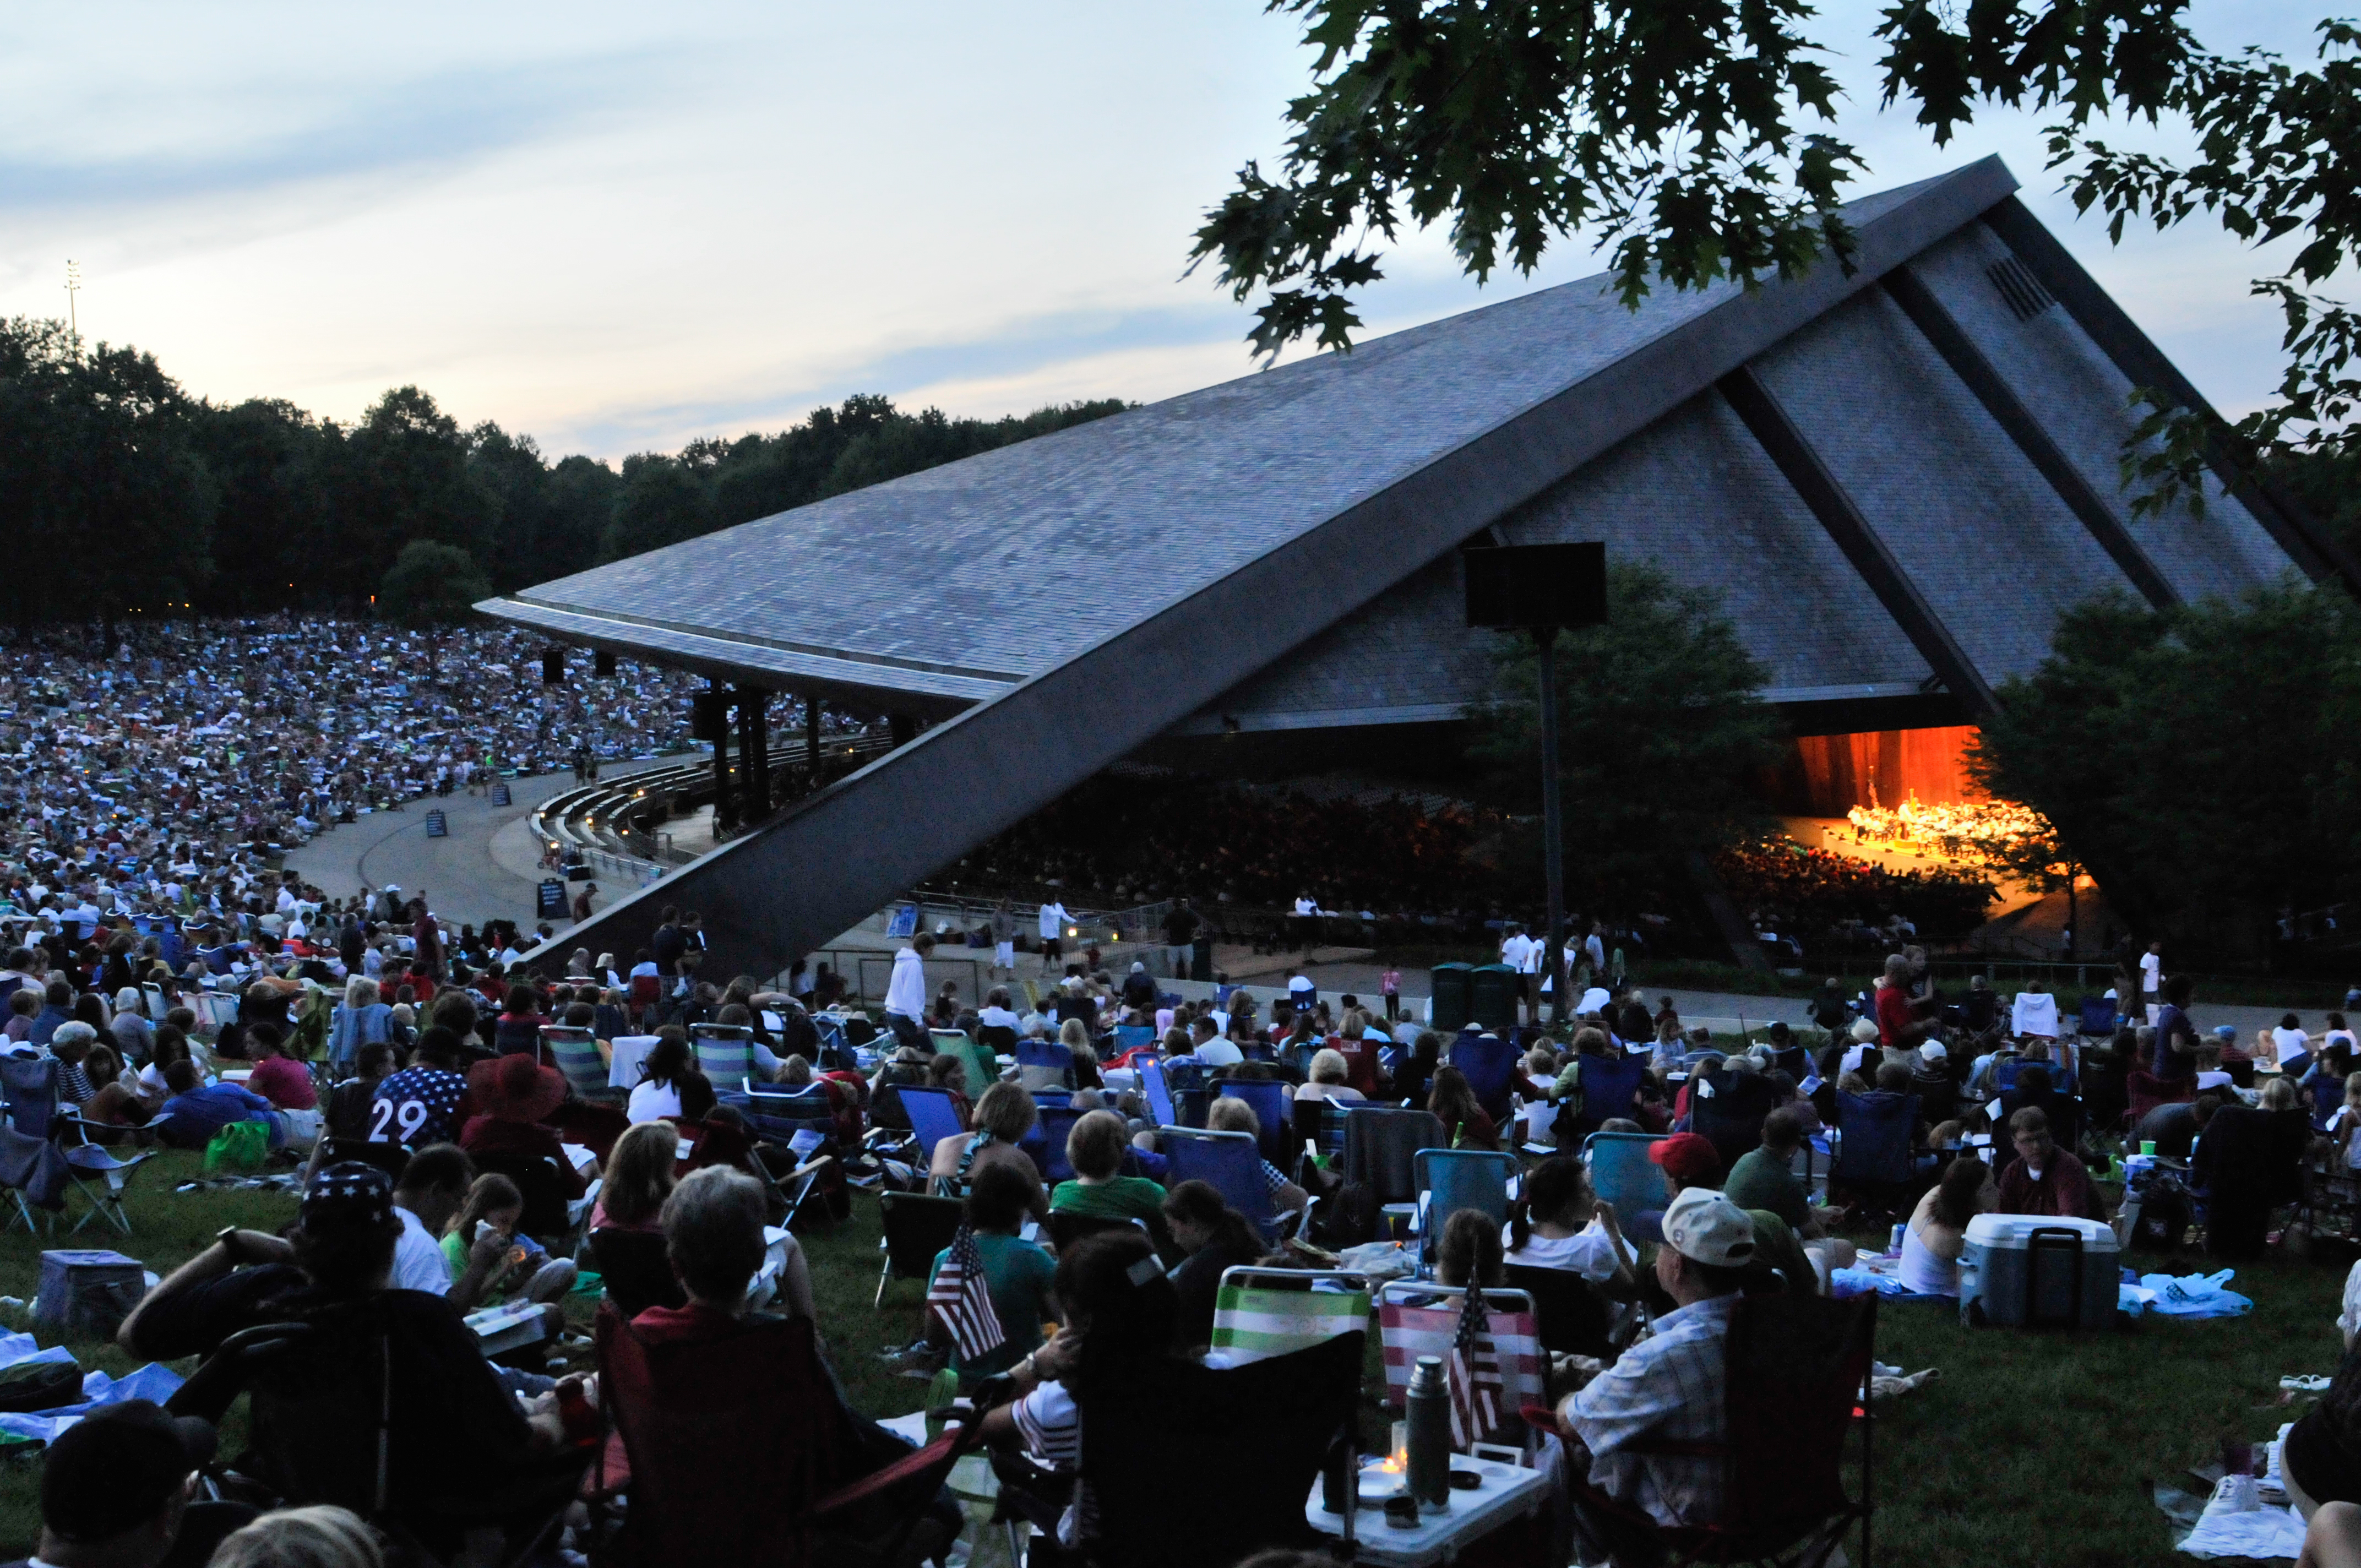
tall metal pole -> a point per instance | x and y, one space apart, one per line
1553 824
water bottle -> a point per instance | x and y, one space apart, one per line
1429 1405
1894 1247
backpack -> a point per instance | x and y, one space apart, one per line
42 1385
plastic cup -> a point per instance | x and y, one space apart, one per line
2147 1146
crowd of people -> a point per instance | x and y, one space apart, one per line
154 775
1970 832
422 1079
1819 898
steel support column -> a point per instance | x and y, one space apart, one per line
1967 361
1852 534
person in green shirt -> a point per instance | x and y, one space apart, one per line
1094 1148
1017 1273
1764 1178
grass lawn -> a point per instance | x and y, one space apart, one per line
2030 1448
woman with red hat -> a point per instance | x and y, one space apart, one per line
513 1094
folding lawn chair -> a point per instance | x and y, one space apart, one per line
725 1054
1622 1174
1416 1320
1228 1162
1269 1102
933 1117
1158 1091
917 1228
575 1051
1610 1085
1451 1179
1263 1313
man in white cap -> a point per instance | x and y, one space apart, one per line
1667 1388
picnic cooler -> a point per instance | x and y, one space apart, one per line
2027 1270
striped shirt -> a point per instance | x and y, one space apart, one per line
1667 1388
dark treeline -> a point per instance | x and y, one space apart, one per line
134 498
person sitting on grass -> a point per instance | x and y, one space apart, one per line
195 1109
283 1082
1559 1223
1017 1275
2045 1179
1937 1233
1467 1251
457 1439
1003 1119
1099 1189
1765 1177
641 1169
1215 1237
115 1098
1230 1115
491 1213
1666 1391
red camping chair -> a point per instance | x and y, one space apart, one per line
1797 1383
732 1443
2146 1092
647 991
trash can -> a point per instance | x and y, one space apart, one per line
1200 966
1447 994
1492 997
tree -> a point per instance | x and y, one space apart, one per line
431 584
2196 759
400 475
267 463
1659 722
1675 136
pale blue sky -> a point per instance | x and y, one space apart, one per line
622 227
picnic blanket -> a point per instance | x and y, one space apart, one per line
152 1381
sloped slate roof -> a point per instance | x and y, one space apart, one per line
932 585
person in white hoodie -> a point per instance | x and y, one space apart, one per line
906 993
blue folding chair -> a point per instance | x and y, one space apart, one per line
1622 1174
833 1051
576 1053
1046 1143
1228 1162
1874 1143
1610 1087
1131 1036
1042 1064
1269 1103
1490 1064
1157 1093
933 1118
1451 1179
2098 1016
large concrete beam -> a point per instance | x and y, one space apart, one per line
837 856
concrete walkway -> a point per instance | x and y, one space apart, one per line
486 870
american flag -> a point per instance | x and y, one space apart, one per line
959 1297
1474 1371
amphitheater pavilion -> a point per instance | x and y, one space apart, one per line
1895 478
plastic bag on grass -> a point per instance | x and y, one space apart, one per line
2194 1295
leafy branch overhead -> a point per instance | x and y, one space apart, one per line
1694 143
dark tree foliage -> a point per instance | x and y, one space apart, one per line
1696 142
124 496
2197 759
1660 728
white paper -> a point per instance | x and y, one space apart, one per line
578 1157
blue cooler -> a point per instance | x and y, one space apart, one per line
2038 1271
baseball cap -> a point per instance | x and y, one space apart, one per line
1935 1051
2225 1031
1706 1227
1690 1157
348 1194
116 1469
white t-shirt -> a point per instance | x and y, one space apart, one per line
999 1018
2151 971
651 1101
1589 1251
1516 952
1220 1053
2291 1043
1053 922
418 1262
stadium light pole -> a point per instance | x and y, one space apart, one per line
1543 590
73 309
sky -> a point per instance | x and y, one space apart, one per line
618 228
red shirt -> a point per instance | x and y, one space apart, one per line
286 1084
1895 1019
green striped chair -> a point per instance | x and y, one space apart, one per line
1263 1313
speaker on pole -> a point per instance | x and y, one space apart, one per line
708 715
602 665
553 666
1523 587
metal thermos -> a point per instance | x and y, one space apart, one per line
1429 1434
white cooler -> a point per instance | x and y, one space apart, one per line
2035 1270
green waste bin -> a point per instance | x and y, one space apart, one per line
1492 997
1448 997
1202 959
